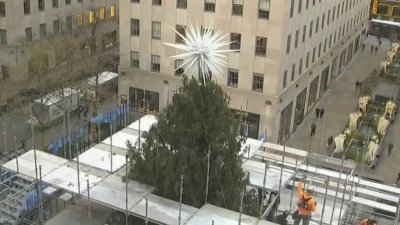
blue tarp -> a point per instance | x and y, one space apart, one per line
57 145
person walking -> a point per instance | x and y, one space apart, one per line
330 141
398 178
368 222
317 112
321 112
357 85
313 128
372 49
363 46
390 148
379 42
376 49
306 205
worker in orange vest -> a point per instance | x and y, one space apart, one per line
306 205
368 222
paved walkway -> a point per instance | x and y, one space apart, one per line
340 100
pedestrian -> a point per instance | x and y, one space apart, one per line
376 49
380 42
321 112
372 49
306 204
357 85
398 178
317 112
313 128
368 222
363 46
330 141
390 147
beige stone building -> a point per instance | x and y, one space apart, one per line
25 22
290 51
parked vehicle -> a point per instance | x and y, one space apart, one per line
50 108
107 82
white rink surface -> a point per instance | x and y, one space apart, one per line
145 123
257 170
26 163
102 159
67 179
220 216
121 138
111 191
163 210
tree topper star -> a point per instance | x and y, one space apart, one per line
202 52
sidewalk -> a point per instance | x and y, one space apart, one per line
339 101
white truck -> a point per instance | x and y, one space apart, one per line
50 109
107 83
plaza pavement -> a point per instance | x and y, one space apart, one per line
342 99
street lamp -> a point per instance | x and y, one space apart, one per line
88 194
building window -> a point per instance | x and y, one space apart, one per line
179 70
41 5
28 34
209 5
68 24
42 29
235 41
291 8
300 6
237 7
5 72
92 16
233 78
27 7
156 2
80 19
135 59
284 79
317 25
68 2
182 31
261 46
56 27
288 44
55 4
155 63
304 33
319 50
263 9
311 29
135 1
313 55
293 72
3 36
258 82
113 10
323 21
135 27
156 30
301 66
325 43
102 13
307 59
181 4
296 39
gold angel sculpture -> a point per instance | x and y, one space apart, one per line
372 150
354 117
389 109
363 102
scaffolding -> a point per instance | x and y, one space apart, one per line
343 197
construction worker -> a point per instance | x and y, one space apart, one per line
306 205
368 222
